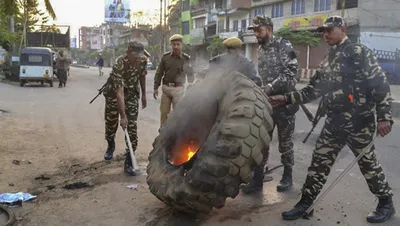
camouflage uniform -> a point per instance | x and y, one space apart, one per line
278 66
124 74
353 83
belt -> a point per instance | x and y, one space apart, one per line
173 84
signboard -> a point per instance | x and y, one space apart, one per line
73 43
306 21
117 11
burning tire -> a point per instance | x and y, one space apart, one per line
210 144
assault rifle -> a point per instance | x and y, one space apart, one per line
268 90
100 92
320 113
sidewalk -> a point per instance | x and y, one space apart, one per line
395 90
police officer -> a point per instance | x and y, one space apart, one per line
277 66
122 95
354 85
172 71
234 60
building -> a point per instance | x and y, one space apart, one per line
186 21
302 14
140 34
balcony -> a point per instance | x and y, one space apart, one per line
197 35
198 9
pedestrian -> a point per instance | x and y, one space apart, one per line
233 60
61 69
122 94
172 71
100 64
277 65
355 86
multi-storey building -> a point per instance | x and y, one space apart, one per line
140 34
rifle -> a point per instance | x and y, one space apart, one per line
100 92
320 113
268 90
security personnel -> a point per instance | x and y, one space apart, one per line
355 86
277 66
172 71
234 60
122 95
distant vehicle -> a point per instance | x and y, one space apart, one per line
36 65
150 66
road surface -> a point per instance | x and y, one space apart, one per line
57 140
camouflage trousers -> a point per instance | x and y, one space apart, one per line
331 141
111 117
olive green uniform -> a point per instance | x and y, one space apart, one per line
171 74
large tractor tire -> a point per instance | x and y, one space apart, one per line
229 118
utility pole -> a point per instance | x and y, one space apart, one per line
343 6
161 28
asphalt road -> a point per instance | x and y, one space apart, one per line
57 129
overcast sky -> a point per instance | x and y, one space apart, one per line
77 13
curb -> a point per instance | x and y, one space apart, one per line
396 109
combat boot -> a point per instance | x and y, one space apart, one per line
128 166
110 149
299 210
286 182
384 211
257 182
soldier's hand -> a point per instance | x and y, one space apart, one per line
144 102
124 123
277 100
155 94
384 128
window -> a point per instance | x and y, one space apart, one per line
186 5
235 25
277 10
322 5
185 28
259 11
243 25
298 7
221 26
348 4
35 59
199 22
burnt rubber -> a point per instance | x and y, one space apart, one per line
231 117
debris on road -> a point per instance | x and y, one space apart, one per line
133 187
10 198
77 185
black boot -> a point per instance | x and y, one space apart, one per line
110 149
257 183
286 181
384 211
128 167
299 210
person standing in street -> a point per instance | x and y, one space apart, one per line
172 71
354 86
277 66
122 95
62 66
234 60
100 64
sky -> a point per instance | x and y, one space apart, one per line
77 13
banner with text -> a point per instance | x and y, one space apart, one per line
117 11
306 21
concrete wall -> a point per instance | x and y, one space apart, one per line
379 15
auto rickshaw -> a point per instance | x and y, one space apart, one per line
36 65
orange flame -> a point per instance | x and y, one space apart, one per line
351 97
183 155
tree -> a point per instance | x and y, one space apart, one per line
298 37
216 46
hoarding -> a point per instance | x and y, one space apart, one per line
117 11
306 21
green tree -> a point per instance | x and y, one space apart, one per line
216 46
298 37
